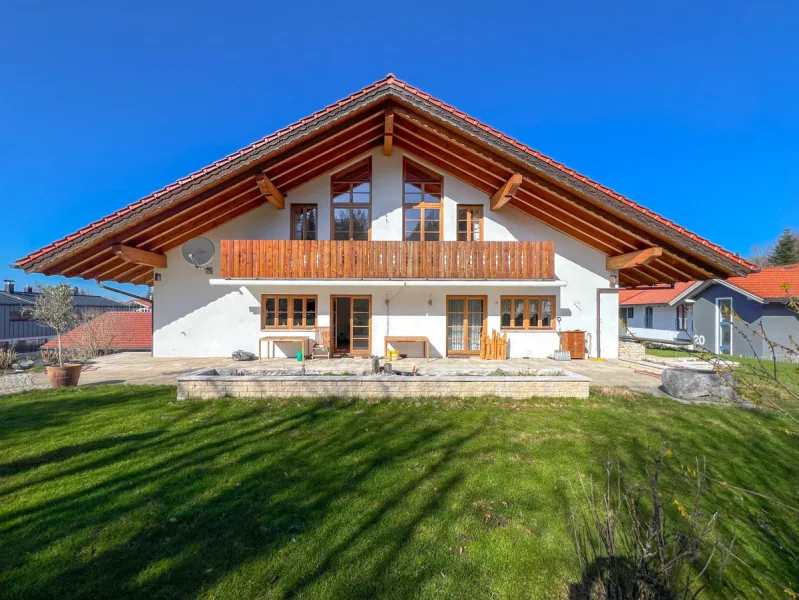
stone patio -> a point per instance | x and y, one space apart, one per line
141 368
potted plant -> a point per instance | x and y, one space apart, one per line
53 308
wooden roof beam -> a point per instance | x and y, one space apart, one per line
505 193
270 191
388 132
138 256
633 259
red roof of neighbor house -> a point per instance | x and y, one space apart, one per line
769 283
126 331
661 294
388 80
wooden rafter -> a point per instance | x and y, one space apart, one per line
633 259
138 256
270 191
676 257
388 132
506 192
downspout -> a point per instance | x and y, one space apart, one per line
116 291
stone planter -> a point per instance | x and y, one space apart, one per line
65 376
224 382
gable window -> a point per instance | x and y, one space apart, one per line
422 195
288 312
303 221
649 317
351 199
526 312
470 223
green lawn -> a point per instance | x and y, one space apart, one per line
122 492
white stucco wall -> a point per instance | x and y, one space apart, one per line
664 324
193 318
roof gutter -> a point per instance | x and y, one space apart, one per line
128 294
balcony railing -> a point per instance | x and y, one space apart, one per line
284 259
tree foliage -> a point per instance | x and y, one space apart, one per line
53 308
786 249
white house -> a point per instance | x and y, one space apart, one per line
388 213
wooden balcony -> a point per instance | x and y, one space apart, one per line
283 259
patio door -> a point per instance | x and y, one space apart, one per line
724 331
465 323
351 324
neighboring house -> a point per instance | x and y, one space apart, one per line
647 314
388 213
20 331
139 305
117 331
760 301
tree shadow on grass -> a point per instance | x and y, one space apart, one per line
187 509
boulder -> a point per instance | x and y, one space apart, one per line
694 385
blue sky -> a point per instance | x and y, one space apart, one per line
689 108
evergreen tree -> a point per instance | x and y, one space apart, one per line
786 250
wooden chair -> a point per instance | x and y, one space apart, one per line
321 345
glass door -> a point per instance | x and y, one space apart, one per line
465 321
724 334
361 324
352 324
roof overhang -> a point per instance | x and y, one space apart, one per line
700 286
422 126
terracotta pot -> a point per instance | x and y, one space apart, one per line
66 376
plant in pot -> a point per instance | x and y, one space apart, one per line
53 308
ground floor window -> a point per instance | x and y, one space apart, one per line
465 324
288 311
649 317
527 312
682 317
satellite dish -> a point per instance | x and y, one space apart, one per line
198 251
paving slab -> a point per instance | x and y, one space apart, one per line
141 368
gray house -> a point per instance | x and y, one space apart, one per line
760 301
19 331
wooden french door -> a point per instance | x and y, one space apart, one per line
466 320
351 318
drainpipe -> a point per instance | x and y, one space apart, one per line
116 291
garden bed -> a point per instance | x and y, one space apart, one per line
252 382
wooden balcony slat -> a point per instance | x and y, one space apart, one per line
337 259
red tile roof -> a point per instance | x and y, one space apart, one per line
662 294
120 330
388 80
768 283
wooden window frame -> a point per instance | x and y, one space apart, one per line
422 205
351 205
291 298
352 297
465 298
526 326
469 221
303 208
